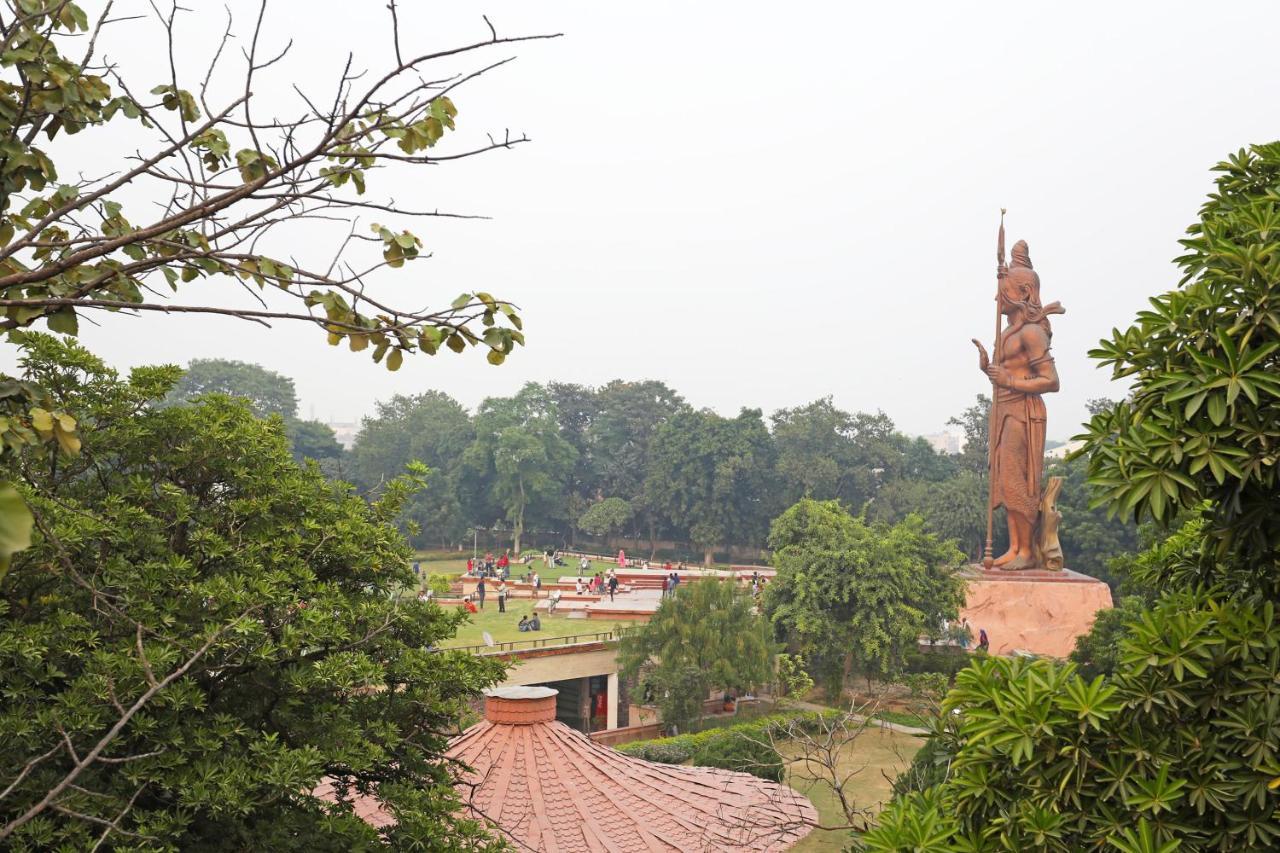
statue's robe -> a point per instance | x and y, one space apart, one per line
1018 461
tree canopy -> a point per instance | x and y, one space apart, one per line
855 596
268 392
202 629
709 475
606 516
705 637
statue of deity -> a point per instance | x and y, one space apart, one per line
1021 371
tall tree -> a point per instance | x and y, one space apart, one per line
630 414
577 407
621 441
710 476
953 509
431 428
975 421
312 440
202 630
856 596
815 451
519 454
268 392
706 637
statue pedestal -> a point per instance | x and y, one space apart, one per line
1036 611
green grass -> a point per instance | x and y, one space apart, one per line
448 566
905 718
502 626
882 752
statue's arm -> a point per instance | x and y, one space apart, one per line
1044 378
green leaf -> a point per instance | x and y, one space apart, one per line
64 321
16 523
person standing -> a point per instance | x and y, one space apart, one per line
675 582
582 565
613 585
502 596
480 592
537 584
984 643
666 586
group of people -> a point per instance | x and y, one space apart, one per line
598 585
489 567
669 583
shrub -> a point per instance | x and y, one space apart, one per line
682 748
947 663
741 752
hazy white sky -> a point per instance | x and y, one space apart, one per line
762 204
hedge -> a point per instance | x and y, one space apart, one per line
948 663
681 748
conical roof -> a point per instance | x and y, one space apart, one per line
550 788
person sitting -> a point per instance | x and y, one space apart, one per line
580 588
467 603
535 624
523 624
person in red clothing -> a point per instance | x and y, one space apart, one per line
466 602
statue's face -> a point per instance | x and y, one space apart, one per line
1016 288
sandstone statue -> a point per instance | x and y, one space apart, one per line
1021 370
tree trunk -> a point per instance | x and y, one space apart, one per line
653 538
519 521
707 555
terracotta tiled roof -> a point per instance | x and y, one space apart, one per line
368 809
551 789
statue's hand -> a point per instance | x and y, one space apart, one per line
983 360
999 376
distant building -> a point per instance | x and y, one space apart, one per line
1063 450
345 432
945 442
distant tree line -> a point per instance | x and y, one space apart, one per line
559 460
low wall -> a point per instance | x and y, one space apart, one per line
627 734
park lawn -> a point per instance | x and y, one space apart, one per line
884 752
450 566
502 626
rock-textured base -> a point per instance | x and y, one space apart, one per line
1035 611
